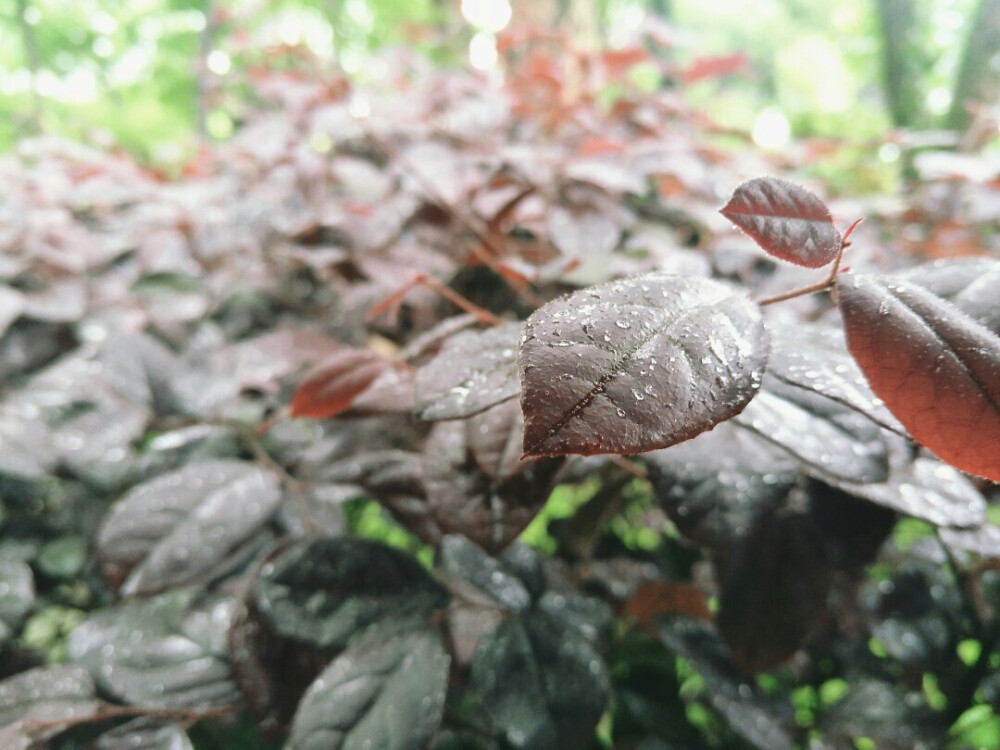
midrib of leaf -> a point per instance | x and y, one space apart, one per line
618 368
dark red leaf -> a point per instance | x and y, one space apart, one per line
774 591
332 386
786 220
936 368
638 364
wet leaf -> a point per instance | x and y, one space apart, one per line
935 368
496 438
823 433
334 384
786 220
47 693
541 684
774 590
11 307
17 595
26 448
144 734
461 558
462 499
980 540
927 489
165 651
879 710
815 358
715 486
386 691
969 283
755 716
853 530
638 364
325 592
474 371
178 527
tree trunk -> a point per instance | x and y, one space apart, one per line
901 61
979 75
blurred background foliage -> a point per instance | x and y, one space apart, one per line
157 76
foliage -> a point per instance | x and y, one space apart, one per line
435 276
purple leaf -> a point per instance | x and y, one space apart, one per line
638 364
786 220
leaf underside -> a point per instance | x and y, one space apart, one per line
786 220
936 368
638 364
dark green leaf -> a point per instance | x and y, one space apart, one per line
385 691
325 592
47 693
542 684
160 651
144 734
176 528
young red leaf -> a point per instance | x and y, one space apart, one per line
333 385
786 220
638 364
936 368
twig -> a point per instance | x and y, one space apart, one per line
106 711
517 283
828 283
394 300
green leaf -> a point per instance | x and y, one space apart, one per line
542 684
385 691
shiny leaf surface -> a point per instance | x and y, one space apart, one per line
786 220
936 368
638 364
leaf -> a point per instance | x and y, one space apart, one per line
144 734
715 486
164 651
386 691
935 368
657 598
981 540
17 595
495 438
325 592
834 439
541 684
179 527
474 371
50 693
969 283
11 307
786 220
468 562
879 710
751 712
853 529
774 590
815 358
638 364
395 479
926 489
334 384
463 499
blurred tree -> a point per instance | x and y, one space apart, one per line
979 75
904 66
